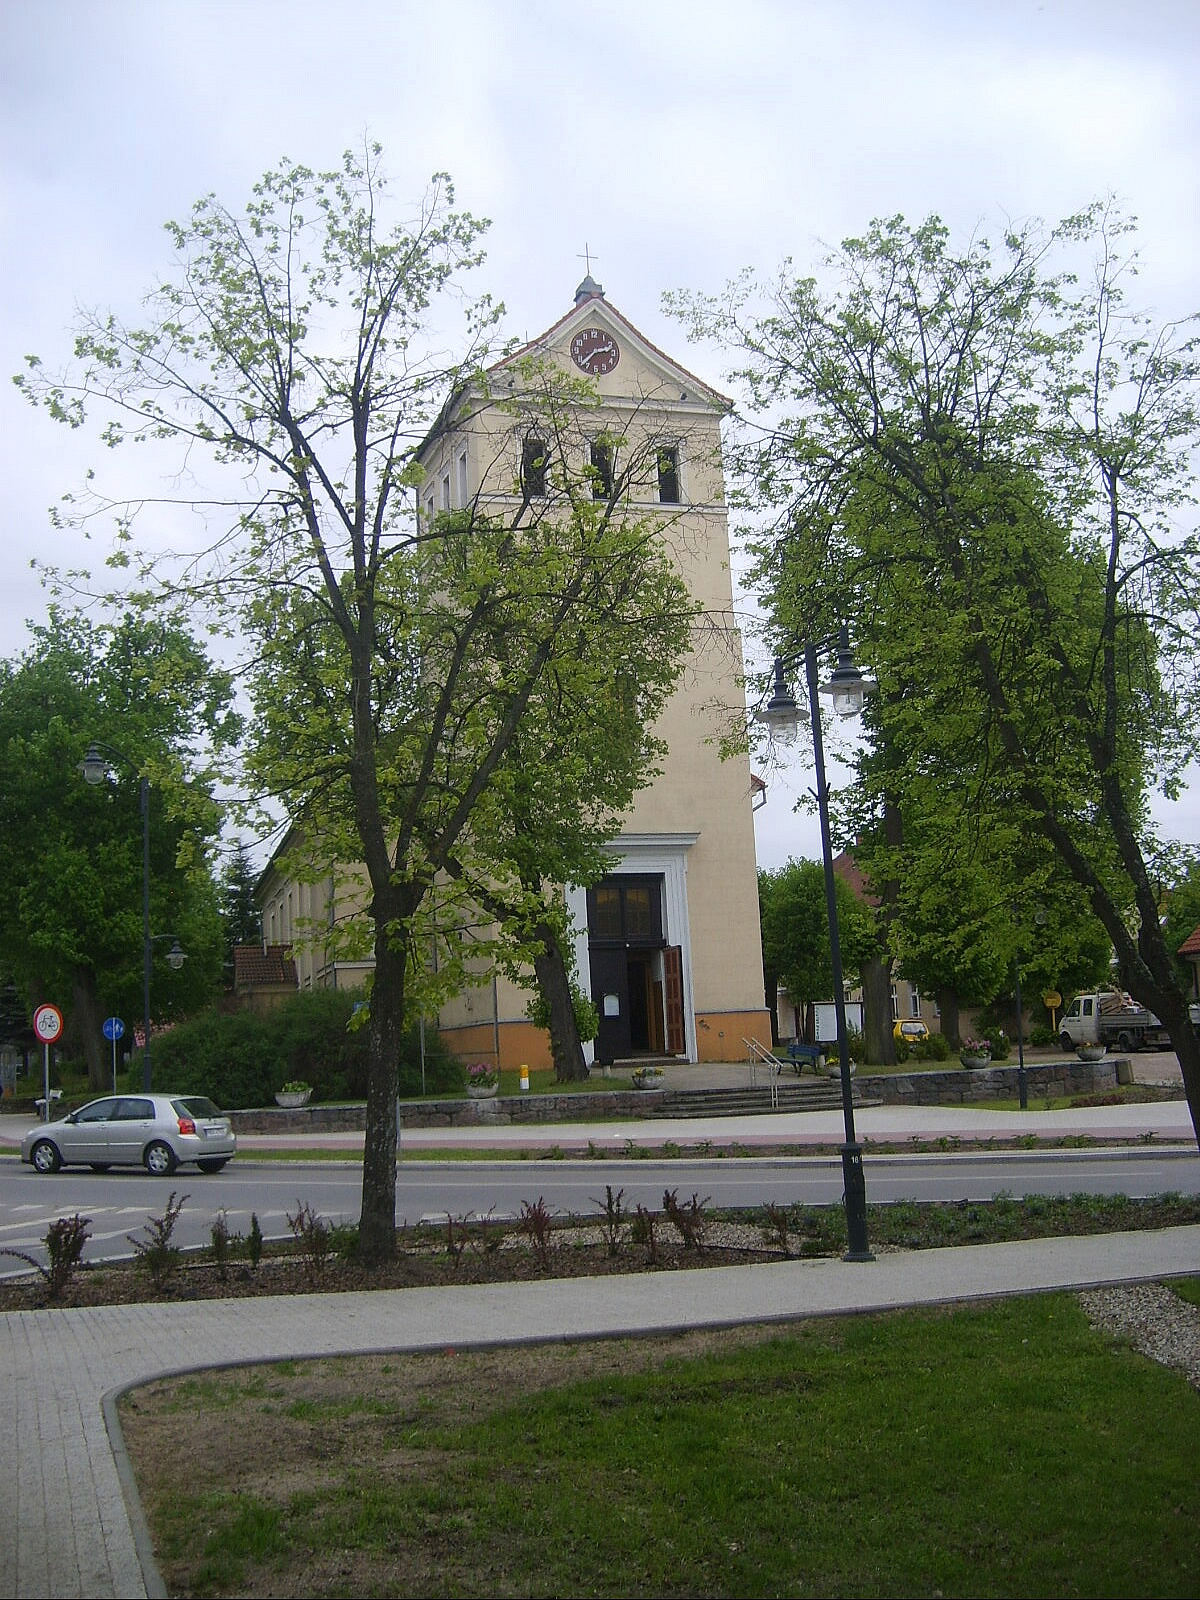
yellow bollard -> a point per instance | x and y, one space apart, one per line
524 1077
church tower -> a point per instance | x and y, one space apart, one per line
668 942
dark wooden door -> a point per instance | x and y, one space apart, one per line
673 998
610 996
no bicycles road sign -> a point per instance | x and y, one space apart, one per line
47 1023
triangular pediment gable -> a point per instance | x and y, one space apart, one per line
646 367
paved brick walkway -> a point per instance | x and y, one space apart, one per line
76 1530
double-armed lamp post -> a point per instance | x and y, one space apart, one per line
95 770
848 689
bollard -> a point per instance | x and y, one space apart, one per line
524 1078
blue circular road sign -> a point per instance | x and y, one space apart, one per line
113 1028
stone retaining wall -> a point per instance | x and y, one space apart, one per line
452 1113
965 1086
947 1087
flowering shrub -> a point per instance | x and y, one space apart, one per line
976 1047
481 1075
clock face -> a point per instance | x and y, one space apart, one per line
594 351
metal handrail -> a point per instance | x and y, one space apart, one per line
757 1056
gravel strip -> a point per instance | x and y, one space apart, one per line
1154 1320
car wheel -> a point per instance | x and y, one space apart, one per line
45 1157
1124 1043
213 1164
1066 1041
99 1166
160 1159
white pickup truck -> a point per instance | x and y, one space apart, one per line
1113 1018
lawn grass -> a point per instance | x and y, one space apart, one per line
997 1449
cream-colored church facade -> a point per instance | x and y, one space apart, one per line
668 943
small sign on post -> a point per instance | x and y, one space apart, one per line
47 1024
114 1029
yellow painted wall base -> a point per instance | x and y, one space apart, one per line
719 1036
521 1044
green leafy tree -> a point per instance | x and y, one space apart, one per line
795 932
585 747
241 917
394 659
73 930
1181 916
991 463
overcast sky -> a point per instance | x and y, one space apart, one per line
679 142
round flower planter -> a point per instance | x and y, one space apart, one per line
482 1091
976 1061
291 1098
1091 1052
651 1080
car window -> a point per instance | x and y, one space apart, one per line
97 1111
196 1105
134 1110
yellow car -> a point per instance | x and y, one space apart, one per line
912 1029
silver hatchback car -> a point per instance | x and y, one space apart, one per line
155 1131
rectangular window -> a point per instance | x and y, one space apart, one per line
639 916
628 909
429 511
895 1005
602 469
463 489
445 491
668 475
533 467
606 912
914 1001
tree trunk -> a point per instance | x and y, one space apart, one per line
877 1012
85 1009
554 983
377 1224
947 1001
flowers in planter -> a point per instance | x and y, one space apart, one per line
646 1077
482 1075
976 1047
296 1086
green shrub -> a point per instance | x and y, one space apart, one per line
445 1073
311 1039
937 1047
224 1055
240 1059
1042 1036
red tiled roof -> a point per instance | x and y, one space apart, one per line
255 964
1191 945
848 869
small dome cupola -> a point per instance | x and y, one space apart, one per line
589 289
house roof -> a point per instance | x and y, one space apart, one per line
255 965
1191 945
848 869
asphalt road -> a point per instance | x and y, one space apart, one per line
121 1203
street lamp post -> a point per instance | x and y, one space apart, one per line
847 687
1039 918
1022 1081
95 770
